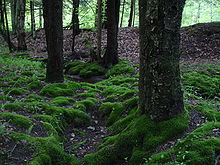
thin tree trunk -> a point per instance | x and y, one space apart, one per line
131 13
75 23
198 12
13 16
2 19
20 12
134 13
33 28
53 24
161 96
122 13
40 17
99 31
7 28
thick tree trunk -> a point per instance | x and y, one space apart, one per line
20 16
111 54
161 96
99 31
131 13
53 24
75 23
13 16
122 13
33 28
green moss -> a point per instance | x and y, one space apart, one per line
62 101
6 98
3 84
123 68
75 67
59 89
27 73
199 146
14 106
17 120
14 91
34 85
86 95
32 97
89 103
141 132
92 70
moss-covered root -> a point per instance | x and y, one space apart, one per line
200 147
137 140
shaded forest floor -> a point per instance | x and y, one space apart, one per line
63 123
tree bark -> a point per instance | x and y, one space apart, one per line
53 24
20 16
111 54
131 13
40 17
122 13
99 31
75 23
13 16
160 93
2 19
33 28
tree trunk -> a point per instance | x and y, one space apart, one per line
40 17
99 31
75 23
2 19
53 24
134 14
131 13
13 16
20 16
122 13
111 54
33 28
160 94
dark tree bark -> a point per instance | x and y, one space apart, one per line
53 24
99 31
122 13
161 96
40 17
20 16
13 16
2 19
111 54
75 23
33 28
131 13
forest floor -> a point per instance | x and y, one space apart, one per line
61 123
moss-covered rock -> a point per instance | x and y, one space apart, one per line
62 101
28 73
34 85
202 145
17 120
122 68
14 106
92 70
6 98
75 67
14 91
33 97
141 132
59 89
88 103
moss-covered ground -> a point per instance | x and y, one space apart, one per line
99 123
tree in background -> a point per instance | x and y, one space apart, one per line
75 24
13 15
111 54
33 28
99 31
131 13
20 17
53 24
161 96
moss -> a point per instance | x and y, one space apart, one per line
86 95
52 131
92 70
42 159
89 103
62 101
17 120
209 111
122 68
27 73
14 106
199 146
14 91
6 98
141 132
34 85
3 84
59 89
111 111
33 97
22 55
75 67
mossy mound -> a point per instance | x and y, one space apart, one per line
34 85
201 146
17 120
59 89
87 104
32 97
122 68
14 91
62 101
85 70
141 136
203 83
